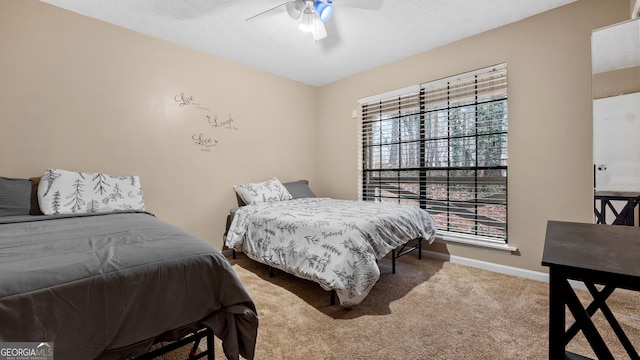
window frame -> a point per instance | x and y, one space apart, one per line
385 102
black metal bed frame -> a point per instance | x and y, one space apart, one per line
403 250
195 338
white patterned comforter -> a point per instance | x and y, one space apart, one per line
333 242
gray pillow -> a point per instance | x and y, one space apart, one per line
299 189
15 196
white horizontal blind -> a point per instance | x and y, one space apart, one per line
443 148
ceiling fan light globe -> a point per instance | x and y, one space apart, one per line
323 10
319 32
293 13
308 23
299 4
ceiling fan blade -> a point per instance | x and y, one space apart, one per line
286 4
319 31
360 4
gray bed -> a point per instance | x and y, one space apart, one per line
110 285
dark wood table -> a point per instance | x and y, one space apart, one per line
594 254
626 216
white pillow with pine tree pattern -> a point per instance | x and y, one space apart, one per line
72 192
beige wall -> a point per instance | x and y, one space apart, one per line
80 94
550 118
616 82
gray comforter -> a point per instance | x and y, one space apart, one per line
106 286
335 243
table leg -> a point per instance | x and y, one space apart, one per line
599 302
556 314
586 325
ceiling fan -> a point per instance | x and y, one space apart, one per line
313 14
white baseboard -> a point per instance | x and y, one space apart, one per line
502 269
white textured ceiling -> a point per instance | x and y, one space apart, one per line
616 47
357 40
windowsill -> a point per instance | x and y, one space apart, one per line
447 238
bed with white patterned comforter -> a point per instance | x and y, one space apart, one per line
335 243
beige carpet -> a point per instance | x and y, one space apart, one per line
428 310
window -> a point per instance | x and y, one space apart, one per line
442 146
